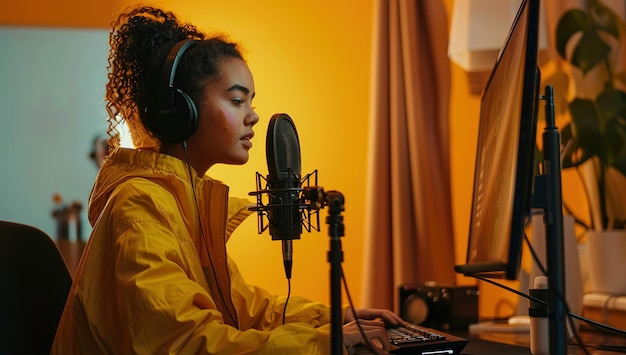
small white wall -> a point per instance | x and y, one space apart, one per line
52 84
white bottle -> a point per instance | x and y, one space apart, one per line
539 323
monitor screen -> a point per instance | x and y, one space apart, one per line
505 153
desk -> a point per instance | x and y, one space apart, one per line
483 346
494 343
518 344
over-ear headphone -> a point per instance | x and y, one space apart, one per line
171 115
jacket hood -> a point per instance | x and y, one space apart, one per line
124 164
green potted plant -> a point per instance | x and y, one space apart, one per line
594 140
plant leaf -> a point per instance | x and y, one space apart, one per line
611 104
614 142
589 51
586 127
572 21
604 19
619 161
572 154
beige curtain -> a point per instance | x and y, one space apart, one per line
409 233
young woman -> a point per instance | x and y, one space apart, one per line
155 277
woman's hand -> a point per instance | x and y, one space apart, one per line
374 323
387 316
376 337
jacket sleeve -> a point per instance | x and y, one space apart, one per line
171 313
307 323
262 310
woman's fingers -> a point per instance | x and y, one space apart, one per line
376 336
388 316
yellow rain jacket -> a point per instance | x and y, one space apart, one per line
155 277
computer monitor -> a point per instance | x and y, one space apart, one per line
504 167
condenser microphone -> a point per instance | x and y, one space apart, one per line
284 185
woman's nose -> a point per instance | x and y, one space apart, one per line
254 118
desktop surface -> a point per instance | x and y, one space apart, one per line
478 345
597 343
518 343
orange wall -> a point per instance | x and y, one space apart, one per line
311 59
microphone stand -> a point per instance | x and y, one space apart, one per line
548 196
314 198
554 230
335 201
317 199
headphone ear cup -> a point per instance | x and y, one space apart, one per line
175 125
186 116
171 115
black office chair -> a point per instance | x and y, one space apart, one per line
34 284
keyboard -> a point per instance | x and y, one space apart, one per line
415 339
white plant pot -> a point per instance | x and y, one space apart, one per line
606 254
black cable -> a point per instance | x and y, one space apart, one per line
570 314
619 348
195 199
544 272
560 296
287 300
356 318
592 322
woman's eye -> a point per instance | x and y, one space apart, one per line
238 102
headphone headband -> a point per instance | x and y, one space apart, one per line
168 73
172 115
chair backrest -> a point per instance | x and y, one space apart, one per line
34 284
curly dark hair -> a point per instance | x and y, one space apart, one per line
140 40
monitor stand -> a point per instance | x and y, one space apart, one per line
520 322
572 272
